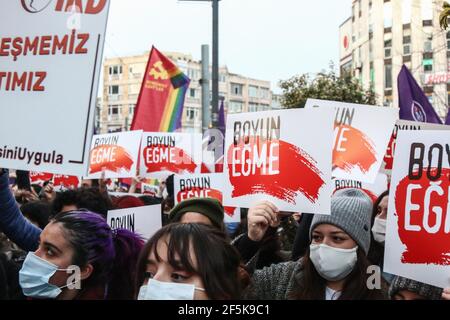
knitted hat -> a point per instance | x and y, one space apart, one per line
208 207
351 210
425 290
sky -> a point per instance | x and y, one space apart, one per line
263 39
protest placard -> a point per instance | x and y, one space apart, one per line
144 221
281 156
115 154
163 154
418 224
50 60
362 134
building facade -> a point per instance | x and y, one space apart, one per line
382 35
122 78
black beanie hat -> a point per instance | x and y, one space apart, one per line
208 207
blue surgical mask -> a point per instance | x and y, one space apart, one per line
232 227
157 290
35 275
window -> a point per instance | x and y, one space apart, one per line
113 112
131 109
191 113
264 93
192 93
235 107
448 40
253 92
427 10
113 90
370 50
406 11
222 77
406 45
427 65
428 43
252 107
387 76
387 14
115 70
236 89
387 48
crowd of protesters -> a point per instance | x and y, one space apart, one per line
47 237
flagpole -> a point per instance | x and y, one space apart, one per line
215 62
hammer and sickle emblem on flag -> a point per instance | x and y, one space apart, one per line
158 71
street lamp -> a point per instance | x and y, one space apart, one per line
215 62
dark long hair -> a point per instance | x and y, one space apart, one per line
376 250
218 262
113 254
311 286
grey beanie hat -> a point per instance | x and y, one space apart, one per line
425 290
351 210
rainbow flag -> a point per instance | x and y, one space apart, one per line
161 100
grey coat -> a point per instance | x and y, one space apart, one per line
280 282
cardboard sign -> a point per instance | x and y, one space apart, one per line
373 190
144 221
280 156
204 186
149 189
116 154
418 224
404 125
65 182
40 177
50 58
163 154
362 134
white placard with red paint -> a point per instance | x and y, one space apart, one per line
418 225
60 182
149 189
163 154
362 134
281 156
404 125
116 154
373 190
40 178
204 186
50 61
144 221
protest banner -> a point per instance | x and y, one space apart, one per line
50 60
116 154
373 190
281 156
163 154
403 125
149 189
204 186
418 224
362 133
144 221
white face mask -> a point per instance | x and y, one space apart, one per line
332 264
379 230
157 290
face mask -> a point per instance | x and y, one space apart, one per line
157 290
232 227
333 264
379 230
35 275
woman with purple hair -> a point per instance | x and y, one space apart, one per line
76 256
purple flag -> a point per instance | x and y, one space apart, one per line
447 122
414 104
222 118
